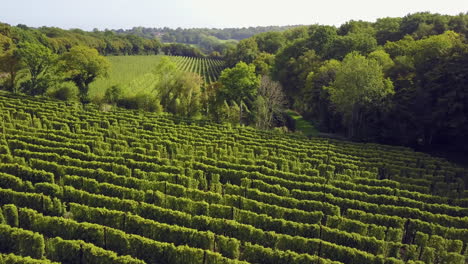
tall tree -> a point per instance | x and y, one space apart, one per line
166 74
38 60
10 68
446 113
82 66
178 92
342 45
239 84
387 29
263 63
359 82
315 102
270 42
383 58
292 65
246 51
187 95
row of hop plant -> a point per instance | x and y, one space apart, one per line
324 171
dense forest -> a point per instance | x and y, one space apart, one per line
397 80
105 42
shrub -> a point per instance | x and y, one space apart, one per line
66 91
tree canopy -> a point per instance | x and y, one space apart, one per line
359 82
83 65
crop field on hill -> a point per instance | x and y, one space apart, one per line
133 73
86 186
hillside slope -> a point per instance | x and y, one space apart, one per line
81 185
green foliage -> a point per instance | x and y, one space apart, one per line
383 58
246 51
21 242
66 91
264 63
428 255
359 82
2 218
394 234
301 125
39 61
82 66
179 92
239 83
11 65
270 42
321 110
133 74
352 42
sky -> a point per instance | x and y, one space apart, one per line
115 14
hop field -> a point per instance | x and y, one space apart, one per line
133 73
85 186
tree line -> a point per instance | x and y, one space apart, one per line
106 42
397 80
192 35
212 41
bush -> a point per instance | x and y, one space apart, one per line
66 91
141 101
113 94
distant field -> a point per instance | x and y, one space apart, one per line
133 73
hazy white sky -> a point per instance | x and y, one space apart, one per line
114 14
